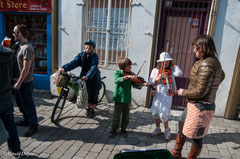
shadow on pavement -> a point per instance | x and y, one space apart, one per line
97 131
30 157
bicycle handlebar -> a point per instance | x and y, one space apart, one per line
71 75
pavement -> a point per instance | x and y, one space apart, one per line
78 137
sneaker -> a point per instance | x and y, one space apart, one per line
30 132
156 132
91 113
21 123
88 111
124 133
113 134
167 134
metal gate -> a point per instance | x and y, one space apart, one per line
181 21
107 23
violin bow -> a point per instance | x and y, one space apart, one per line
141 68
164 62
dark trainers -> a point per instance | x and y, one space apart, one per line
88 111
113 134
124 133
30 132
21 123
91 113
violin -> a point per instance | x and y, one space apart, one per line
138 80
167 79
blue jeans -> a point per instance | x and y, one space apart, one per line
6 115
26 104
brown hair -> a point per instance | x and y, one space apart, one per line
23 30
205 45
124 62
160 66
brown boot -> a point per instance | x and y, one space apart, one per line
194 152
176 152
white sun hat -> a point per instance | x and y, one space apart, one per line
164 56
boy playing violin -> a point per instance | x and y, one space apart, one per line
122 95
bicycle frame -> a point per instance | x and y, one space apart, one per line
73 86
58 107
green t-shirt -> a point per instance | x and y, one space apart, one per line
122 92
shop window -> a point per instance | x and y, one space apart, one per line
96 28
37 25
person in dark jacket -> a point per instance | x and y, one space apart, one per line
205 78
14 46
8 71
88 60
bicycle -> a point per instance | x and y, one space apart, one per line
71 83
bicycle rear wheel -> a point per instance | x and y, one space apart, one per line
101 92
58 107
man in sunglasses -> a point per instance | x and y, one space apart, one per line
24 84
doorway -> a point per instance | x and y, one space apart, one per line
182 21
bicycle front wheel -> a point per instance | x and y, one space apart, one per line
101 92
58 107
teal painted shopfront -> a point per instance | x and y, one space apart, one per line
36 15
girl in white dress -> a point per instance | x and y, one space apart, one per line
163 81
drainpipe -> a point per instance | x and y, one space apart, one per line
212 18
54 17
108 33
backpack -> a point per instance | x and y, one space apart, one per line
82 96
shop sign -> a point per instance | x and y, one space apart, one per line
25 5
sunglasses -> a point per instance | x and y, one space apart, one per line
15 32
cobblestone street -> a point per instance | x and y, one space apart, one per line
77 137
